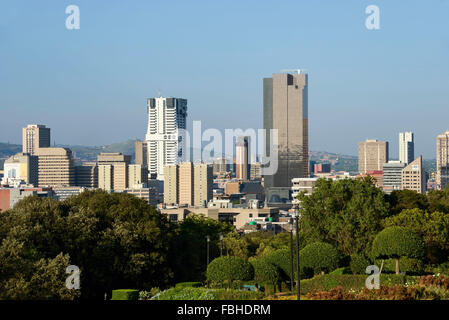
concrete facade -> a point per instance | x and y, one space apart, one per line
55 167
372 155
442 160
166 121
413 177
35 136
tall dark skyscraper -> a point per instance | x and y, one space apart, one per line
285 101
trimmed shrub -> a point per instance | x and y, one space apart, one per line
266 272
359 263
230 269
281 259
125 294
319 257
397 242
188 285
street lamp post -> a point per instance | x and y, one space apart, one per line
297 253
208 240
291 255
221 244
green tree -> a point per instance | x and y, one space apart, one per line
397 242
117 241
189 246
433 227
266 272
229 268
345 213
235 245
438 200
406 199
319 257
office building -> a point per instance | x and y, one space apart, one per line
171 183
113 171
322 168
86 175
105 174
165 139
20 168
186 184
64 193
141 153
285 99
112 157
203 181
137 174
55 167
241 158
299 185
35 136
148 194
219 166
372 155
406 147
442 178
413 177
255 171
392 175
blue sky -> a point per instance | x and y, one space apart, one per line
90 85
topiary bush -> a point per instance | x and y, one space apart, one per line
266 272
396 242
281 259
359 263
319 257
229 268
125 294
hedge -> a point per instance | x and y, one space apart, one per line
207 294
125 294
347 282
188 285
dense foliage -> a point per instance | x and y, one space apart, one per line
358 263
345 213
266 272
319 257
229 268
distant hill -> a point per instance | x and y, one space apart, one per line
339 162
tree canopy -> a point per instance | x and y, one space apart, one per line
347 213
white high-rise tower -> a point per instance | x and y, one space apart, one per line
166 116
406 147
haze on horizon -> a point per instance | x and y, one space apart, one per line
90 85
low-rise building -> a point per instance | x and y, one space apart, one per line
236 216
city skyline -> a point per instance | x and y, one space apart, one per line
357 76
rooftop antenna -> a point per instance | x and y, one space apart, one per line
159 93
